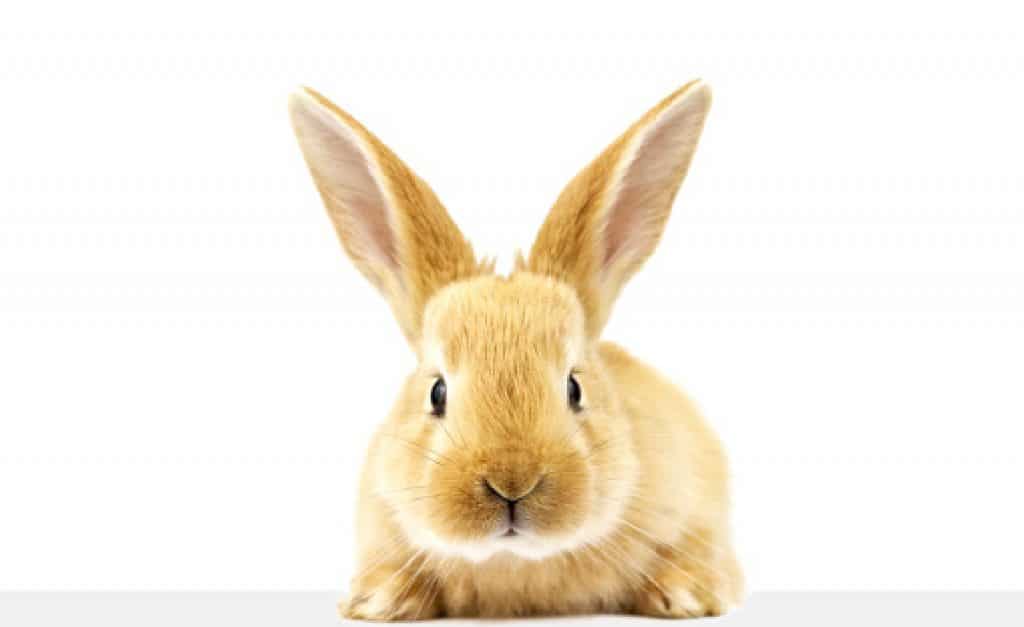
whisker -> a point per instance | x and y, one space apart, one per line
462 444
673 548
395 574
627 564
381 493
422 498
627 501
408 585
394 548
677 549
450 438
572 434
437 583
427 452
597 447
655 553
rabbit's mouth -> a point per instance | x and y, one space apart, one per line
514 531
518 540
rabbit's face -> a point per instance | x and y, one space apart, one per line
507 437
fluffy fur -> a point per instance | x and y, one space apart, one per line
621 506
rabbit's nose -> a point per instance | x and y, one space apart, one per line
510 490
510 493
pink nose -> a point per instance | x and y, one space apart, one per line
510 495
503 495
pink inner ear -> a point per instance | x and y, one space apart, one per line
644 192
356 199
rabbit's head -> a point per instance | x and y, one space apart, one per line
509 435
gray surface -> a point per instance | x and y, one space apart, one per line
314 609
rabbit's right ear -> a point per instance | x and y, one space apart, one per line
390 223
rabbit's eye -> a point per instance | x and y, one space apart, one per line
575 394
438 397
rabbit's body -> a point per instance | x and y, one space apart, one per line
527 467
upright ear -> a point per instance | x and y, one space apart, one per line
389 221
609 218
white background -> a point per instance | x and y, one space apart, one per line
190 368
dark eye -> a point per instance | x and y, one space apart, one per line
574 393
438 397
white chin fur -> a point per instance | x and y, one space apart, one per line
524 545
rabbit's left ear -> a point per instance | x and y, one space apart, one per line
608 220
393 227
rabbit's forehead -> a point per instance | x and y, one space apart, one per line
495 319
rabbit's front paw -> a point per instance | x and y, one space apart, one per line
659 601
405 598
691 580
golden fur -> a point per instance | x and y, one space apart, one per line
623 504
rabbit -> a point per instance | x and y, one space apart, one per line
527 467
